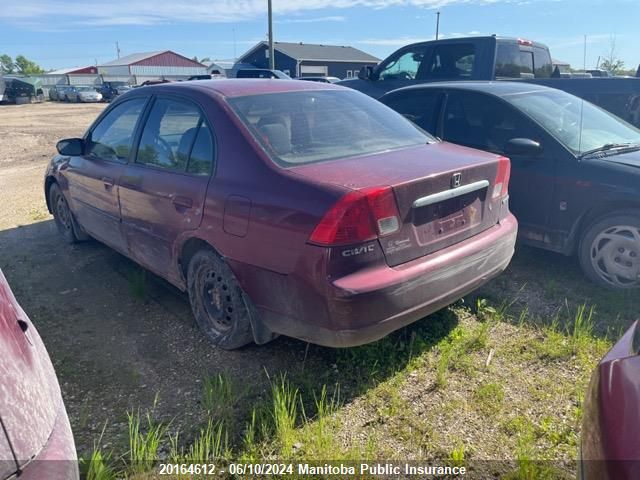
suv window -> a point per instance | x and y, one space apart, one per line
419 106
111 138
542 63
511 62
403 67
169 135
454 60
480 121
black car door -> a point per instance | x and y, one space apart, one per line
421 106
486 122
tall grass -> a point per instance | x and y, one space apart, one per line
143 446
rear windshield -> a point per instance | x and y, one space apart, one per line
313 126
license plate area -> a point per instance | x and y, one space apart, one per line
440 221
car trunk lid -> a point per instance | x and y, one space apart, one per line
29 391
444 193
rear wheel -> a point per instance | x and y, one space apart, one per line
610 251
216 301
65 221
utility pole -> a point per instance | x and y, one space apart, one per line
272 63
437 24
118 49
584 58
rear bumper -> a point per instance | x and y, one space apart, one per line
367 305
58 459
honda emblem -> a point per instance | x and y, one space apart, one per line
455 180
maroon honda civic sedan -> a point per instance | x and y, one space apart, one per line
286 207
610 447
35 437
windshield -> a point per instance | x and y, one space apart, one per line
85 89
578 125
313 126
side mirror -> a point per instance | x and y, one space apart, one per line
522 146
366 73
70 147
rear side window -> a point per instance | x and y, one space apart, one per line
173 133
451 61
419 106
111 139
311 126
511 62
543 67
481 121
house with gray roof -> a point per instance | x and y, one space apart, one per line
308 59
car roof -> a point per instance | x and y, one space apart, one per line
498 88
237 87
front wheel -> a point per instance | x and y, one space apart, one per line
65 221
217 302
610 251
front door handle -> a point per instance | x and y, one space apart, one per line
180 201
108 182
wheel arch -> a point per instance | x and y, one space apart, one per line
188 249
596 213
50 180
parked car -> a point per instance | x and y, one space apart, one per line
610 445
35 439
494 58
83 94
53 92
67 93
110 90
261 73
575 181
317 213
320 79
61 91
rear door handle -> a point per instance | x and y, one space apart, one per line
180 201
108 182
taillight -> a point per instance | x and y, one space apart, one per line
501 184
522 41
359 216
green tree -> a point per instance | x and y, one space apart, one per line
611 62
6 64
27 67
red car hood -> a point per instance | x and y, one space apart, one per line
29 393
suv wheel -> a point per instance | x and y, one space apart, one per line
65 221
217 301
610 250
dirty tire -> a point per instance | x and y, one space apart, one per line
216 301
66 223
610 251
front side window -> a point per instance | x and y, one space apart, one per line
451 61
511 62
403 67
170 136
111 139
313 126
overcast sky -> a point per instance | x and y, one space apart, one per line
67 33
